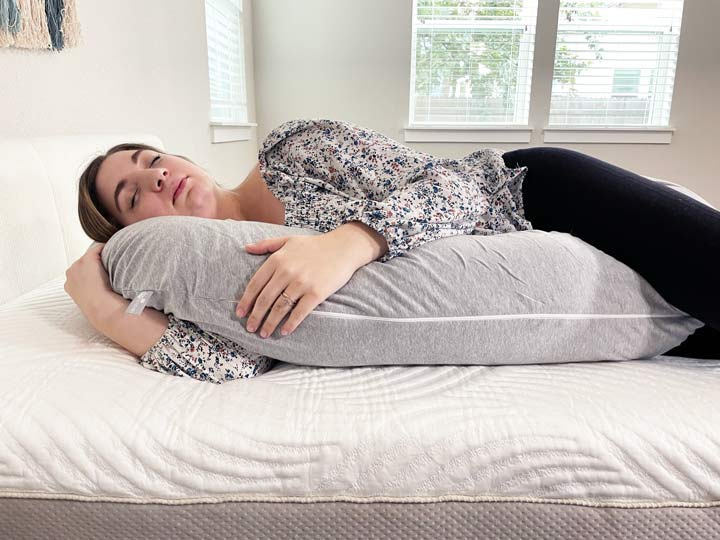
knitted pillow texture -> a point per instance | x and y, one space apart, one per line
525 297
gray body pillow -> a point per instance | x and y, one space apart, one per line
515 298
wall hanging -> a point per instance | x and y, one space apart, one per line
38 24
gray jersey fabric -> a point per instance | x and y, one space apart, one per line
522 297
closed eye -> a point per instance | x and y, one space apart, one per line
132 202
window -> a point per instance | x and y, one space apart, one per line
610 80
615 62
472 61
226 67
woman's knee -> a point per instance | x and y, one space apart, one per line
546 155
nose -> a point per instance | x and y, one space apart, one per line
159 178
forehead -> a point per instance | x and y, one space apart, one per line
114 166
113 169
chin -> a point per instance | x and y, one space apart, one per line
204 213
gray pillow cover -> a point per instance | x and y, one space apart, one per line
515 298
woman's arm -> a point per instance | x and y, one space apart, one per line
186 350
408 197
368 244
88 284
136 333
162 343
172 346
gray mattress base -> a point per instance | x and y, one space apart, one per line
33 519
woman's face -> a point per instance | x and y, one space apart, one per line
138 184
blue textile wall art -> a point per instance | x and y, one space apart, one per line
39 24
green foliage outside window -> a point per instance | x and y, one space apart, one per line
487 57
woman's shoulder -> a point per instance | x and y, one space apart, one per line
308 127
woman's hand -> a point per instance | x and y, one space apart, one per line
308 269
87 281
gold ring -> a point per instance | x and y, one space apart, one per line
289 301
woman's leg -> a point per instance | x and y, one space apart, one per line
666 236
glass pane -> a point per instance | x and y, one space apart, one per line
615 62
472 61
226 65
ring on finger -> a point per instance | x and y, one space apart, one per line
283 301
287 300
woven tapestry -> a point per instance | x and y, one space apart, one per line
38 24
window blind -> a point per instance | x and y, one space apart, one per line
615 62
472 61
226 61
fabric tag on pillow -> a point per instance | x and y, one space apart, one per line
139 302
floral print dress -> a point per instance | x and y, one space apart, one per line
330 172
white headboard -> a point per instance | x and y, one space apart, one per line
40 233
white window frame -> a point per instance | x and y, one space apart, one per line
222 132
523 134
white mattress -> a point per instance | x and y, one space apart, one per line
80 419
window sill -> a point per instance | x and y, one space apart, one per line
614 135
459 133
221 132
551 134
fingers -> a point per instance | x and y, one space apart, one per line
280 309
97 248
268 300
262 275
305 305
266 245
263 293
272 300
255 285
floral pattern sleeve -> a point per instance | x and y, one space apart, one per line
186 350
329 172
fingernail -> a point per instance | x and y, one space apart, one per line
250 328
283 332
240 312
263 334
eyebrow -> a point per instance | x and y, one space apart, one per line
122 182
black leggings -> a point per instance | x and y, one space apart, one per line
667 237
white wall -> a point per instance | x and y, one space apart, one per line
350 60
141 67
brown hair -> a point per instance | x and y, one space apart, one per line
95 220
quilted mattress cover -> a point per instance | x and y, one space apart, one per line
81 420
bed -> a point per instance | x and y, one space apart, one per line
94 446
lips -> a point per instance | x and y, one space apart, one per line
179 189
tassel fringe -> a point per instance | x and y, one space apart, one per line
39 24
70 25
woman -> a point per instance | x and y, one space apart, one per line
374 199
